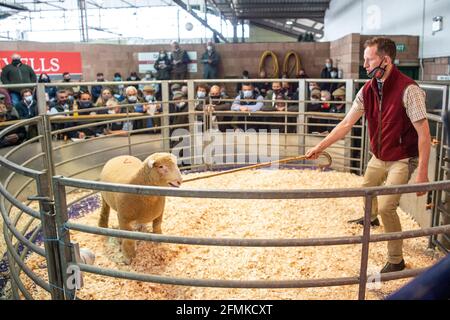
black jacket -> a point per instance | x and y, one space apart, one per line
18 74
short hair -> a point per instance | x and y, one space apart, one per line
61 91
117 75
22 92
130 88
100 74
245 73
385 46
247 84
65 74
202 86
85 92
107 89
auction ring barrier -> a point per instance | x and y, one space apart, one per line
39 182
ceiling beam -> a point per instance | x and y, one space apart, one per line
202 21
13 6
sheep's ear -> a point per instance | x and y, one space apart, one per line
150 163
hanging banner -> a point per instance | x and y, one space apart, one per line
50 62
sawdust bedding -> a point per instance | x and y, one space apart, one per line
193 217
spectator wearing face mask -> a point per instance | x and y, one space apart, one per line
105 95
338 95
163 66
17 73
248 101
76 90
26 109
14 137
174 88
97 90
326 74
27 106
180 61
50 90
210 60
200 97
133 103
215 104
85 102
134 77
314 106
263 87
274 104
245 76
151 107
119 89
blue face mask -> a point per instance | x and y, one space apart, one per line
132 99
28 99
248 94
149 98
201 94
117 79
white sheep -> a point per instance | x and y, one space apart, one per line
159 169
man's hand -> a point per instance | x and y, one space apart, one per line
244 109
421 178
313 153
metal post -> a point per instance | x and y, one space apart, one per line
49 229
63 236
349 89
301 118
165 119
235 37
192 125
45 130
365 247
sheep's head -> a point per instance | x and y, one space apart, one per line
164 170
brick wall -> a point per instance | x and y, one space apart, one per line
434 67
345 53
109 58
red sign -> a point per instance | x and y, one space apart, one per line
46 62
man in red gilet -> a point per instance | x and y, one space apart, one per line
394 107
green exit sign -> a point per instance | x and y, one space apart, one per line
401 47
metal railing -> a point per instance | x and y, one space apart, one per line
50 190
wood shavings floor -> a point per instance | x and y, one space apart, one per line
195 217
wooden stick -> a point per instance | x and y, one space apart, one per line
259 165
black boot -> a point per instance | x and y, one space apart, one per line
393 267
374 223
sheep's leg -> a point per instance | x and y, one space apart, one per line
128 246
104 215
157 225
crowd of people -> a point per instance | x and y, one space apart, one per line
251 98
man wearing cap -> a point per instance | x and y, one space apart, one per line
394 107
17 73
151 106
